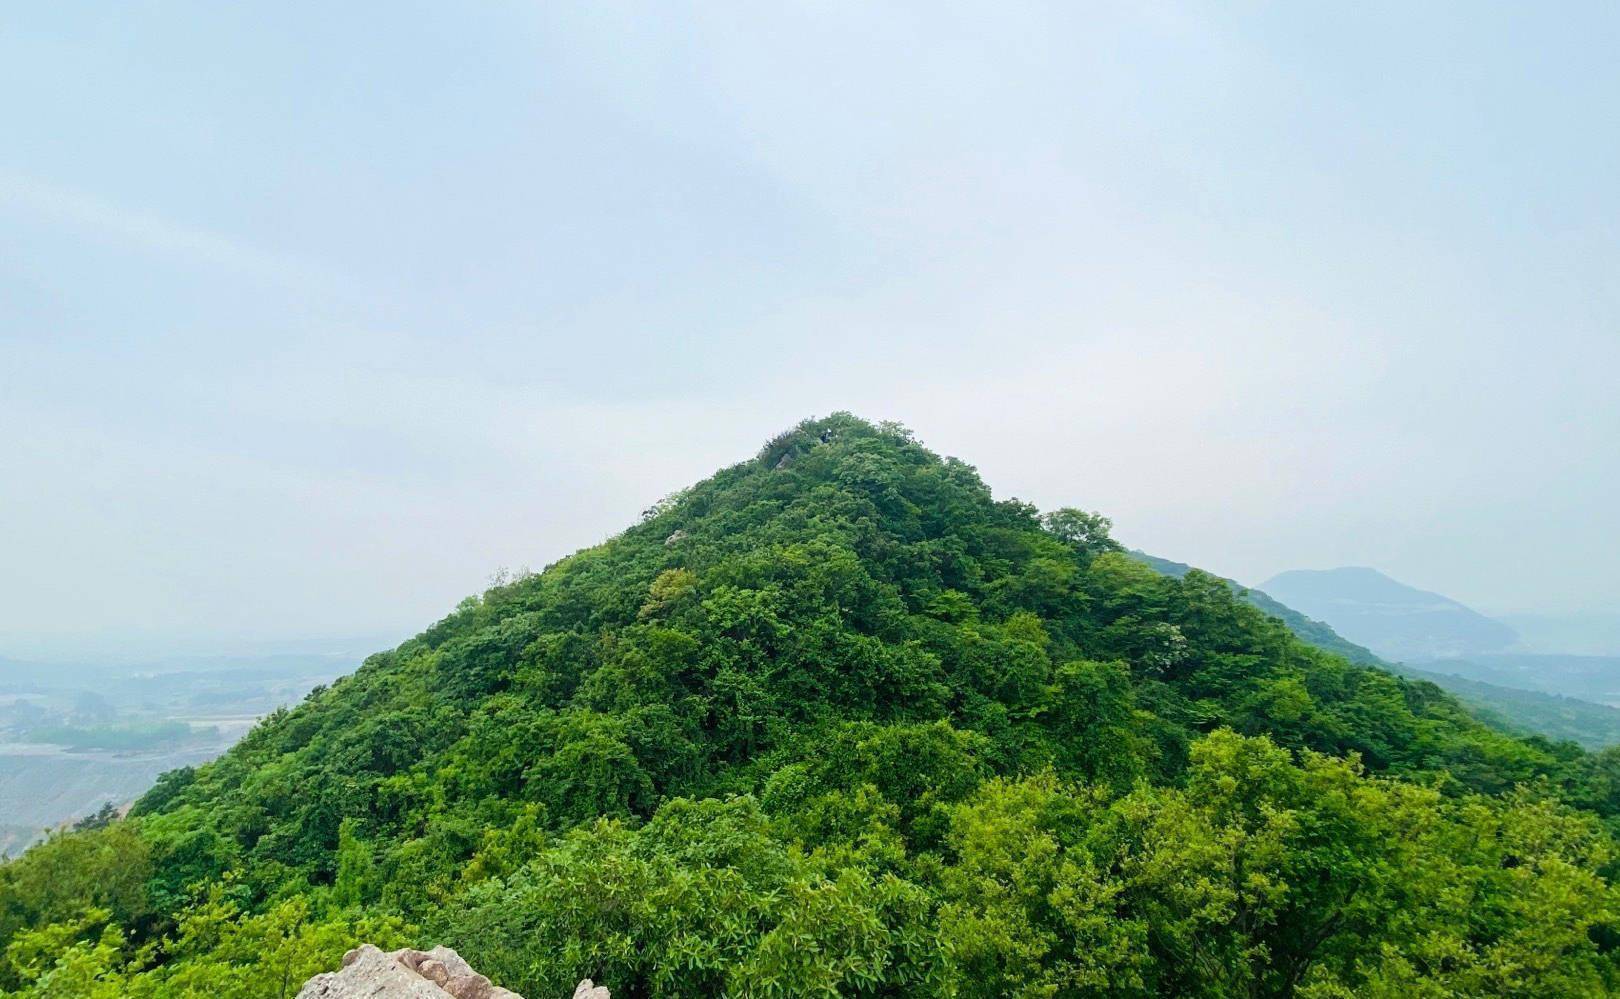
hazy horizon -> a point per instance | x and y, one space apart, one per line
311 318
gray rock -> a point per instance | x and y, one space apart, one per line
440 973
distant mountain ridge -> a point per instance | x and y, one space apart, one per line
1394 620
1589 678
1312 632
1558 697
1514 707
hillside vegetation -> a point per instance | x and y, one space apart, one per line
838 722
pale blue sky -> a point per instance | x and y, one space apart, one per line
312 315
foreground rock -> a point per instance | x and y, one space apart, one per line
440 973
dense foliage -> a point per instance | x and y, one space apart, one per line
836 721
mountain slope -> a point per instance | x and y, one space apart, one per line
1513 702
836 721
1311 632
1396 621
1590 678
1515 709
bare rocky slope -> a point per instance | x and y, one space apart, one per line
440 973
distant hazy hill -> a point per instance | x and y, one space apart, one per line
1590 678
1559 697
1397 621
1527 712
1311 631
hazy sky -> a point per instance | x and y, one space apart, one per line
313 315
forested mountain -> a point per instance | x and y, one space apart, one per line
1516 709
1309 630
837 721
1398 622
1527 695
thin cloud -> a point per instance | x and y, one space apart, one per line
153 234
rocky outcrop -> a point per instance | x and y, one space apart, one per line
440 973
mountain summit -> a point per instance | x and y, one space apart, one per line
1397 621
838 721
